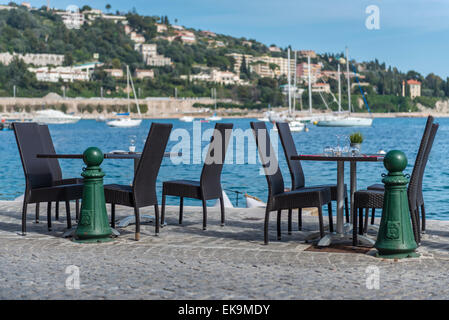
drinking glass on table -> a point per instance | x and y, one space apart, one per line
132 143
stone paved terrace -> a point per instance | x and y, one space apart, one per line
185 262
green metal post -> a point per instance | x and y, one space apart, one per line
395 239
94 224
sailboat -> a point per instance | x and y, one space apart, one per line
344 119
214 117
127 122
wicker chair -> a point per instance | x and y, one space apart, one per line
278 199
209 186
39 176
56 173
374 198
142 193
417 174
297 174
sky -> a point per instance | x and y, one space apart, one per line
412 34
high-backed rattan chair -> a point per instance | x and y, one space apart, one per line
417 173
142 193
56 172
278 198
209 186
297 173
40 185
374 198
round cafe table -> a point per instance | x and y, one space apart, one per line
343 231
113 155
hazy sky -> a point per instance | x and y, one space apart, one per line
413 34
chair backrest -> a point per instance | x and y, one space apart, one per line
215 158
37 170
144 184
414 178
268 157
296 172
429 145
49 147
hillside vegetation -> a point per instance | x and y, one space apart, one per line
41 31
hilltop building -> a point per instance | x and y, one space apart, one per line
307 53
81 72
37 59
264 66
150 55
321 87
72 19
144 73
161 27
216 76
302 71
115 73
274 49
415 88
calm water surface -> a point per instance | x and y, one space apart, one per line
398 133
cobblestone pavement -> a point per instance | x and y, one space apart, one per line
185 262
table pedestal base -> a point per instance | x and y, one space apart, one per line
144 218
71 232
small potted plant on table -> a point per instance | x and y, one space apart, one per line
356 140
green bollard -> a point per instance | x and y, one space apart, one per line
94 224
395 239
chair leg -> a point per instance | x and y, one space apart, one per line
37 213
69 217
156 216
416 232
181 209
279 224
163 211
222 211
49 216
112 215
299 219
354 226
265 227
204 214
77 209
365 227
290 221
57 210
423 218
331 222
373 215
320 218
24 217
360 221
136 213
347 210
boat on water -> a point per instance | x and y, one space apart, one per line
254 202
187 119
226 202
51 116
214 117
347 121
344 119
127 122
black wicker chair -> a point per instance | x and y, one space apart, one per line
374 198
278 199
416 174
56 172
209 186
297 174
40 185
142 193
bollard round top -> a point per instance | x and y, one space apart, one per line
395 161
93 157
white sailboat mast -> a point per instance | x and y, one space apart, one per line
134 90
289 81
127 86
294 83
310 85
339 88
349 80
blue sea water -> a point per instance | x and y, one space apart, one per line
387 134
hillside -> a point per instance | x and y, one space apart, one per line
25 31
